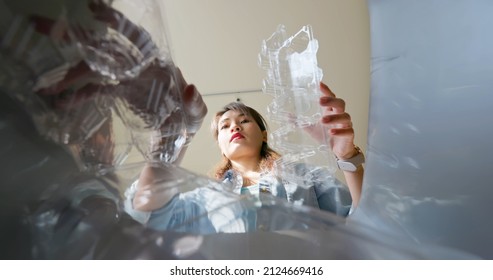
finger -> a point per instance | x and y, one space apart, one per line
326 90
191 97
341 120
333 104
195 107
348 132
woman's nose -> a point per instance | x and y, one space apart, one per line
235 127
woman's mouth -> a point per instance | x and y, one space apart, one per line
236 136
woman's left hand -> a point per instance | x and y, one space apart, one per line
338 123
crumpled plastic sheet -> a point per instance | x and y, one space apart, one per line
69 73
428 170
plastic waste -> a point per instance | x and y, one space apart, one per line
66 184
293 77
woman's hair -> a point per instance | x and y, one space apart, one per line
267 155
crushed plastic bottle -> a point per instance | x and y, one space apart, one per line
293 77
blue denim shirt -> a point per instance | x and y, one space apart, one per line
208 210
328 195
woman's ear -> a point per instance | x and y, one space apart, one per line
264 134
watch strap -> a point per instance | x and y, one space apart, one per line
352 164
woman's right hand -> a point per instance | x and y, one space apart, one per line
193 105
191 113
138 92
154 189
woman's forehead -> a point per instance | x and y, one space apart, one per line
232 114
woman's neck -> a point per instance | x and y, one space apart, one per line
246 165
249 170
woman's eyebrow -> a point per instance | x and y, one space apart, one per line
227 119
223 120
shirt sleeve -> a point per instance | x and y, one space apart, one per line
182 214
140 216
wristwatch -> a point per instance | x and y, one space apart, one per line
352 164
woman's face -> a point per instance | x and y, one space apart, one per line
239 136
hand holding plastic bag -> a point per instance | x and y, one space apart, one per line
102 63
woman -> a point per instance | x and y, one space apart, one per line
241 134
248 161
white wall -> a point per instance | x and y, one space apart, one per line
216 42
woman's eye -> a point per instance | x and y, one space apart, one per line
224 126
245 121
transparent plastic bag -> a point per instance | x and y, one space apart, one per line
111 43
64 63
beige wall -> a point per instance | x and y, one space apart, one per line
216 42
